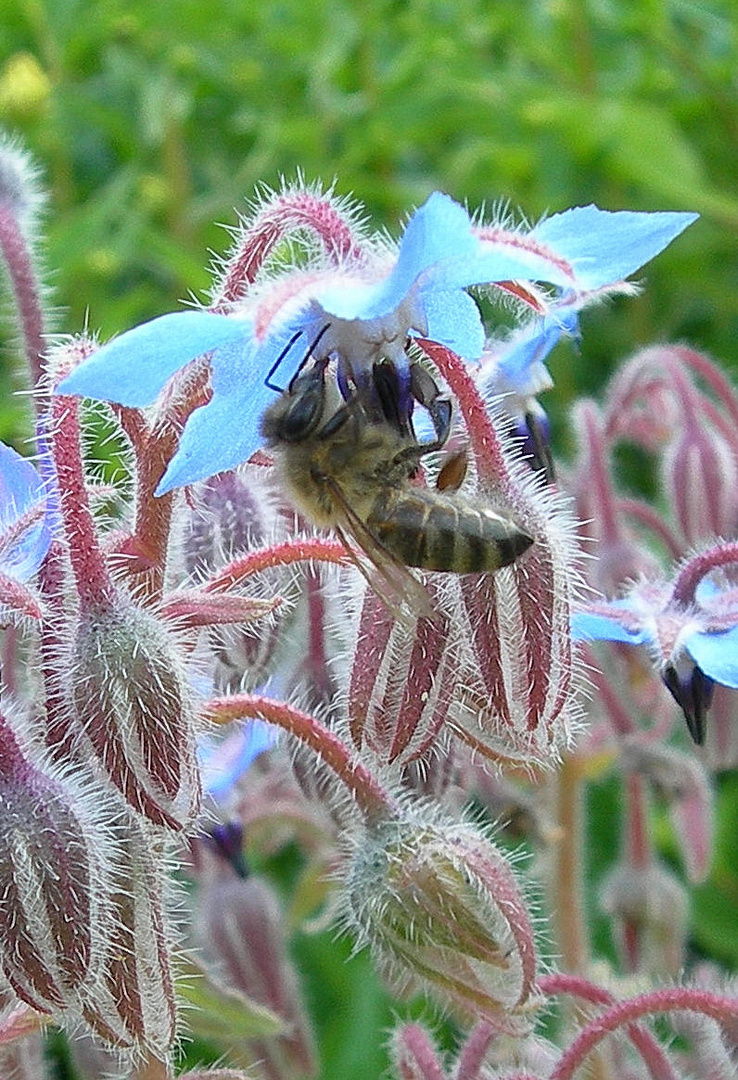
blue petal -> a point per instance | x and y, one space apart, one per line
493 262
224 762
438 233
453 320
532 347
22 490
133 368
606 247
225 432
588 627
716 654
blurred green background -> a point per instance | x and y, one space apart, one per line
154 122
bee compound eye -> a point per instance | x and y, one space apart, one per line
303 415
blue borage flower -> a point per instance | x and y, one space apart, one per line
694 642
361 311
27 517
225 760
605 247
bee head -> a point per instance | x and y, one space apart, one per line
298 411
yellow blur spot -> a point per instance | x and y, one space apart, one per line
24 86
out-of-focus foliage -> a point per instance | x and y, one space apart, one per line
154 121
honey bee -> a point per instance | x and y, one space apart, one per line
348 459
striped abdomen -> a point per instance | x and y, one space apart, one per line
434 531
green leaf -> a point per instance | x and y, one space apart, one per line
220 1013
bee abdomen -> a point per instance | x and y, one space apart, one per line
432 531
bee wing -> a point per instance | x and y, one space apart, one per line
398 585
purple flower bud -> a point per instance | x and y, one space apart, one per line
129 693
242 928
56 878
439 906
237 512
519 701
132 1004
403 678
701 478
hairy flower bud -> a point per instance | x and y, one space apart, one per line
242 928
129 694
20 190
519 700
238 512
439 905
650 904
132 1004
682 781
55 876
700 476
403 679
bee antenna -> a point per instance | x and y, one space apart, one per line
309 353
298 333
268 381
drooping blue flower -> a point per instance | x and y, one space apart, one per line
360 312
603 248
26 516
225 760
692 633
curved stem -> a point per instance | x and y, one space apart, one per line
289 212
699 566
483 438
375 803
675 999
653 1055
284 554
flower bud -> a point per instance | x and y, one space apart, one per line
403 678
132 1004
721 739
237 512
439 905
413 1054
20 190
684 784
129 694
56 878
519 699
649 909
242 928
700 474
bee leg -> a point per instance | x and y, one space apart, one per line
394 399
424 389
